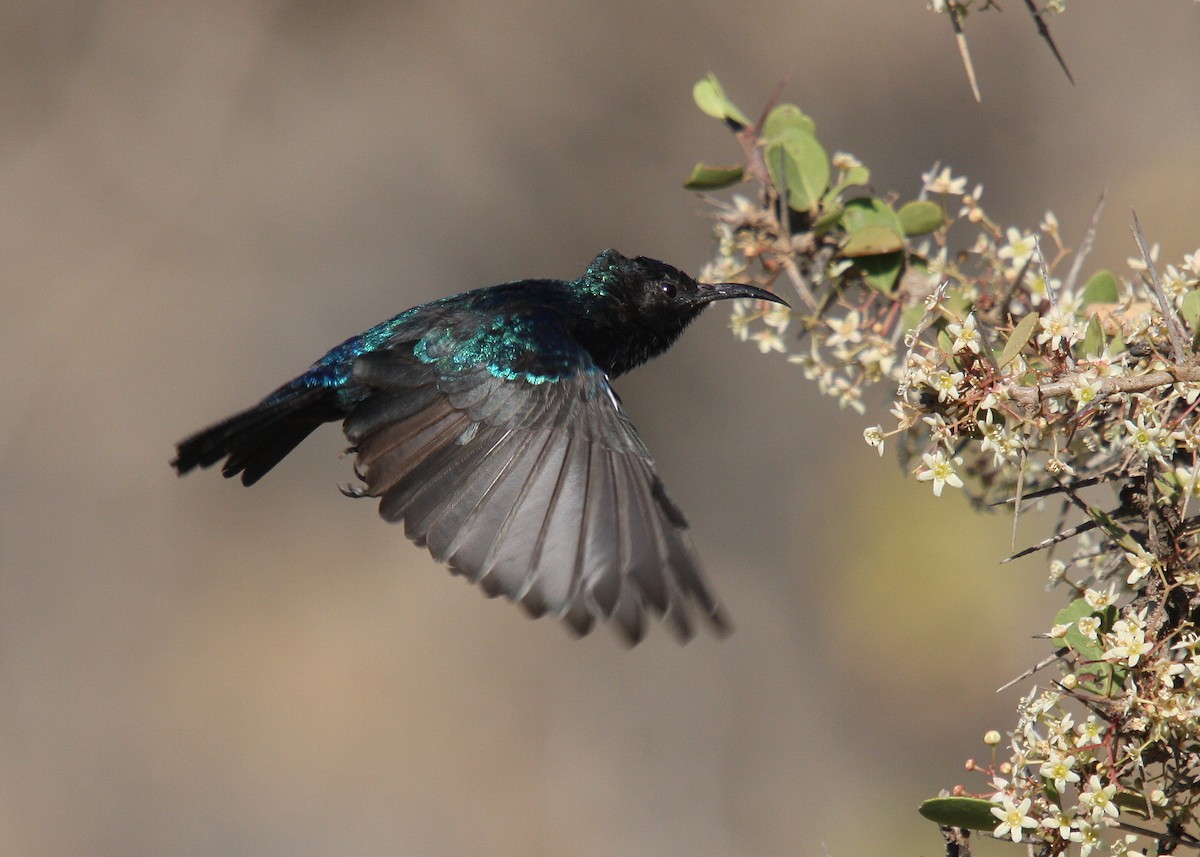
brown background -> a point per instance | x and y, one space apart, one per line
197 199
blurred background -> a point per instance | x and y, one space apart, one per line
197 200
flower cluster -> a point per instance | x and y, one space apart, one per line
1019 382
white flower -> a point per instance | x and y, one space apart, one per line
777 316
1090 731
1098 599
1086 391
1013 818
874 437
1088 836
996 439
946 384
845 329
1059 328
966 337
845 161
768 340
1129 642
940 470
1188 479
1060 770
1141 564
943 182
971 209
1191 261
1019 249
1149 440
739 320
1099 798
1059 821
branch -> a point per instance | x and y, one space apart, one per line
1033 395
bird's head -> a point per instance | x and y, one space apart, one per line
648 303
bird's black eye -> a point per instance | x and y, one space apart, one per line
668 288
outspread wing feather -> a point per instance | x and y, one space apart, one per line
537 488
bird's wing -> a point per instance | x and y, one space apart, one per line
514 462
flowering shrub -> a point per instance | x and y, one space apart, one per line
1014 379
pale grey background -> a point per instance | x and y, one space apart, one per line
197 199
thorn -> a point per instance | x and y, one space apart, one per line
1042 664
956 14
1044 32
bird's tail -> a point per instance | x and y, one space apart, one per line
257 439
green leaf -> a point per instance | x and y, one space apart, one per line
872 241
1101 288
970 812
786 117
920 217
798 165
947 345
1075 639
856 176
1020 336
708 177
711 98
1093 339
870 211
875 240
1191 308
880 272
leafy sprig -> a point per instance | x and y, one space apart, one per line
1018 381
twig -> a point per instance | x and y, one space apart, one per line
1020 491
996 314
1085 247
798 281
1040 665
1168 309
956 14
1057 538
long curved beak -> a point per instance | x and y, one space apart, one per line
725 291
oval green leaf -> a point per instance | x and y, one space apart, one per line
707 177
1101 288
1093 339
786 117
1075 639
970 812
856 177
872 241
920 217
1190 309
711 98
880 272
799 167
871 211
1020 336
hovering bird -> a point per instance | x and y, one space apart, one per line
486 423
